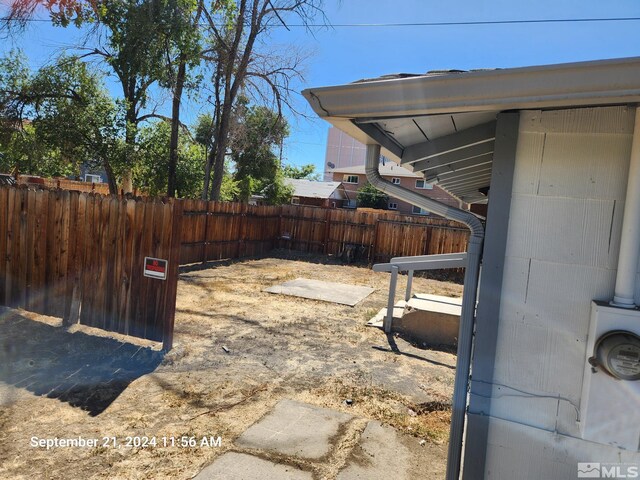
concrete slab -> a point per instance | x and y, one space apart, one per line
436 304
239 466
380 455
341 293
294 428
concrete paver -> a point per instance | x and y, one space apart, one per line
380 455
240 466
296 436
341 293
295 428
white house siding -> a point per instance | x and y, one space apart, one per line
561 251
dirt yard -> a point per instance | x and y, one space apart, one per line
238 351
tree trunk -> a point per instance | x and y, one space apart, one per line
175 125
130 140
222 140
111 178
210 157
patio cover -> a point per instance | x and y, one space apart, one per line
441 125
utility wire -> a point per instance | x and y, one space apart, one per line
416 24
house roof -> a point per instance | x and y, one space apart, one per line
312 189
442 126
388 169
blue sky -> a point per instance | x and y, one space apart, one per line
344 54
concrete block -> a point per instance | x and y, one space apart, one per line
294 428
239 466
431 319
563 230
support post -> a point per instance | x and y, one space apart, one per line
407 295
392 299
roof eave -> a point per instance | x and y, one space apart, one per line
550 86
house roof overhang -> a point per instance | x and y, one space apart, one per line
443 126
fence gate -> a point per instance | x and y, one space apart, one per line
81 256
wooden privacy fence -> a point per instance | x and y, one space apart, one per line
214 231
80 256
217 230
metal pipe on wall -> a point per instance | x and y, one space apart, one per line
630 240
467 316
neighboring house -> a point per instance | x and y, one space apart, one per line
354 178
91 174
552 389
342 151
318 194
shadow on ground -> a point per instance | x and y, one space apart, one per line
86 371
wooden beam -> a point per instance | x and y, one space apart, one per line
470 136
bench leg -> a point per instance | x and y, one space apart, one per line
392 299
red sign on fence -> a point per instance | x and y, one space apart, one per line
155 268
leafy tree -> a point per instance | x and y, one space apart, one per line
305 171
257 167
77 117
370 197
150 172
134 38
58 118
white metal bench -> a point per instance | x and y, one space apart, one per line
410 265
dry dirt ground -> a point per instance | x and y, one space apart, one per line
275 347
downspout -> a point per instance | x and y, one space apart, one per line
467 316
630 240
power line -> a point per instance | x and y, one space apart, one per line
479 22
416 24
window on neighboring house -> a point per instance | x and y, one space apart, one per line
350 179
421 184
295 201
351 203
395 181
418 211
88 177
393 206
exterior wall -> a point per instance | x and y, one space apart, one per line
408 182
342 151
562 238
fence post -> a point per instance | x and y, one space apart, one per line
374 246
206 229
243 228
172 278
327 231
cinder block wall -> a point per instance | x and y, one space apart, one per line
563 234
